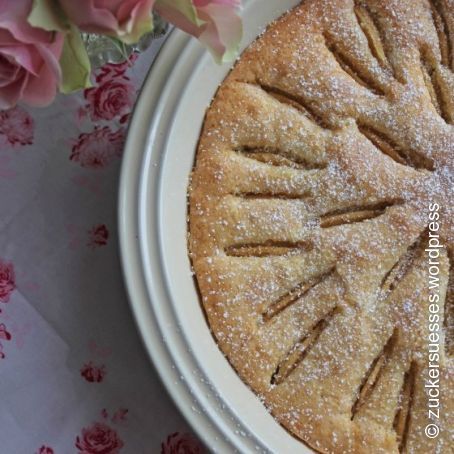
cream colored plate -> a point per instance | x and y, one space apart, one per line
158 159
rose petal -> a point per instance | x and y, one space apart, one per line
140 21
24 56
8 70
224 32
41 89
13 17
214 22
126 19
12 92
181 13
6 38
29 63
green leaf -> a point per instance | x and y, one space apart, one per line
47 14
142 27
74 62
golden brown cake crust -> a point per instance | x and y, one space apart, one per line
321 159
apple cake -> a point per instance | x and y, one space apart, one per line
321 223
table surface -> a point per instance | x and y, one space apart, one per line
74 375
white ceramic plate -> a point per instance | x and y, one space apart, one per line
158 159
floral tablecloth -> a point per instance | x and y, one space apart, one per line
74 377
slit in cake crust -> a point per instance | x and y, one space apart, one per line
268 249
373 374
443 32
277 158
436 92
298 103
349 66
374 35
294 295
388 147
272 195
403 265
402 418
354 214
299 351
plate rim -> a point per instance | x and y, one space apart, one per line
129 227
226 431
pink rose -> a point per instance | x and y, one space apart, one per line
29 56
185 443
7 281
17 126
98 148
214 22
128 20
112 97
99 439
92 373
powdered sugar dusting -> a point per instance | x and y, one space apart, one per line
320 156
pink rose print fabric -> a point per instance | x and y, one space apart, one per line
98 148
108 106
45 450
111 99
29 56
16 127
7 281
7 287
182 443
4 334
93 373
98 236
99 438
74 377
113 95
120 416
